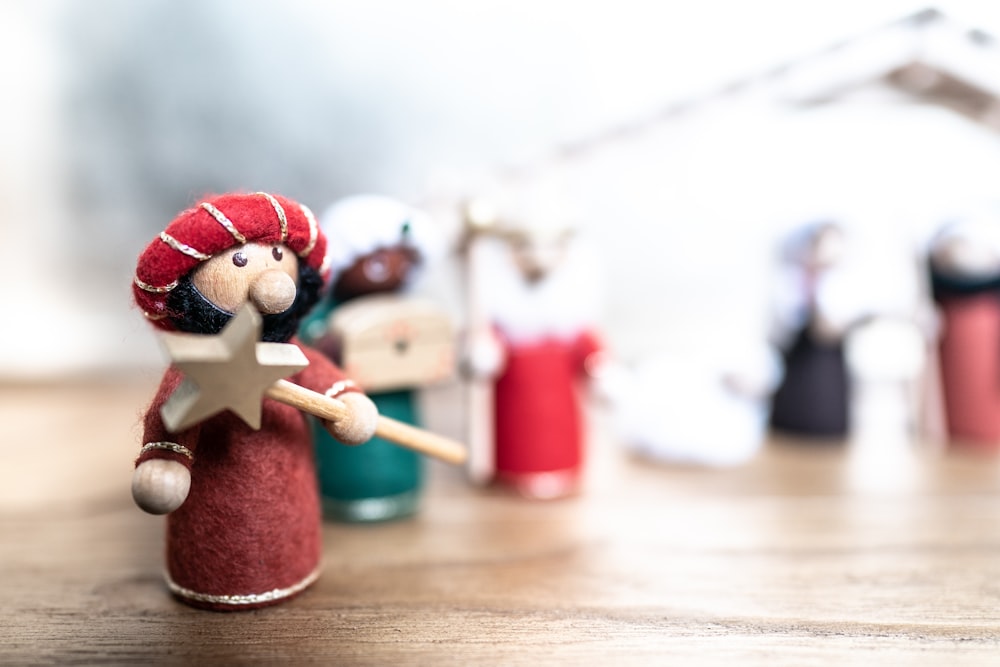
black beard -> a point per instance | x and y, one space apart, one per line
191 312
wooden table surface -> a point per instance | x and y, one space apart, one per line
870 554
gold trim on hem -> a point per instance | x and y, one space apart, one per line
248 598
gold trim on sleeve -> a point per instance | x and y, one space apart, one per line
339 387
169 446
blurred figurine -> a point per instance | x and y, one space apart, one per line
705 406
243 526
965 280
816 306
390 344
535 285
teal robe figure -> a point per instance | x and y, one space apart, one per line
375 247
374 482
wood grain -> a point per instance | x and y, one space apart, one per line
811 555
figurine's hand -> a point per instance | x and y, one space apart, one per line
827 331
610 381
484 356
358 425
160 486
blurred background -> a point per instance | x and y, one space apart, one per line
690 138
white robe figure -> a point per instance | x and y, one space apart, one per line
704 406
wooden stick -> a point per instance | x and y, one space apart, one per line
928 403
402 434
479 400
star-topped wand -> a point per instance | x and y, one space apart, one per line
234 370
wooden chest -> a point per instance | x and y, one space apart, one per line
385 342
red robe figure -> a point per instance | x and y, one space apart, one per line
243 524
965 280
536 286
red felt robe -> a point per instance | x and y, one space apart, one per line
970 368
248 534
539 428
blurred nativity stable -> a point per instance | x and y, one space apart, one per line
119 114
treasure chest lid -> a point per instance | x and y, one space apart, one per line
371 320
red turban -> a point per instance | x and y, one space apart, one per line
215 224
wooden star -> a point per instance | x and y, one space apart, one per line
231 370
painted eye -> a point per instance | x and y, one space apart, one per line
239 259
277 253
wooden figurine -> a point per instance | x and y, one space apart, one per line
814 313
389 342
965 280
535 286
242 505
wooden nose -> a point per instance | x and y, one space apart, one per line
272 292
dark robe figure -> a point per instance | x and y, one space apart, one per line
813 397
